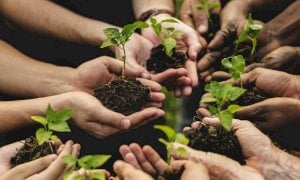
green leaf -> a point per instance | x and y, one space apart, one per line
226 63
42 135
177 33
181 138
40 119
171 29
153 21
92 161
108 42
112 32
79 177
233 108
214 5
182 152
225 118
199 6
69 160
169 132
254 44
238 63
50 113
235 92
64 114
60 126
208 99
169 44
54 138
97 176
169 21
163 141
212 109
129 29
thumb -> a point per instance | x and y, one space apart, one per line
146 115
116 66
112 118
31 168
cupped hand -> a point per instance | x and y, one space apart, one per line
195 17
86 173
126 171
284 58
91 116
48 167
144 158
191 170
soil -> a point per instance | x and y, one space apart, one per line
214 26
250 97
123 96
217 140
169 175
32 151
159 61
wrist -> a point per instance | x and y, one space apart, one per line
155 13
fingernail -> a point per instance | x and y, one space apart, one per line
52 157
145 75
125 123
202 29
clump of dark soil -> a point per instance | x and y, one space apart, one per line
250 97
217 140
124 96
32 151
169 175
214 26
159 61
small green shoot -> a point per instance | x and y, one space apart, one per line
88 162
250 32
222 95
208 7
236 66
119 37
166 35
54 121
172 136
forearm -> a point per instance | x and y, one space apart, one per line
139 7
16 114
47 18
23 76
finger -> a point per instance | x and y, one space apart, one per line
117 67
153 157
153 104
157 97
192 72
208 60
76 150
203 112
220 37
134 65
154 86
126 171
36 166
177 92
100 130
144 116
253 66
187 90
57 168
201 21
124 149
195 171
186 14
194 45
220 76
143 162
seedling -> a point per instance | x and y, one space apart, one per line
88 162
119 37
250 32
172 136
166 35
54 121
208 7
222 95
236 66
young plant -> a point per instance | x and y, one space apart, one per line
218 103
208 7
172 136
119 37
250 32
166 35
54 121
88 162
236 66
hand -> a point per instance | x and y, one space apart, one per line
138 52
146 158
94 118
85 173
284 58
48 167
126 171
190 42
191 170
258 152
195 17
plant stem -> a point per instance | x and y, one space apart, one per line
51 148
124 61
